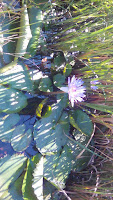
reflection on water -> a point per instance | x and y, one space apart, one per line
6 148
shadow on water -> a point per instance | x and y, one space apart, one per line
6 149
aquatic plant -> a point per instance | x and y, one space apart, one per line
53 42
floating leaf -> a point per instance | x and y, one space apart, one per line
46 84
50 139
10 169
58 80
21 138
16 76
61 165
81 121
63 162
69 157
7 123
49 135
14 190
11 100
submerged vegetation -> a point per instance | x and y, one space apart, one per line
56 106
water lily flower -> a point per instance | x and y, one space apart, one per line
75 90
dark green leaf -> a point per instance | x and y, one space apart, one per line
81 121
67 70
58 80
46 84
59 61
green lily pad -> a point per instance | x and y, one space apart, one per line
81 121
49 139
59 62
7 124
46 84
14 190
11 100
17 77
63 162
58 80
21 138
10 169
48 133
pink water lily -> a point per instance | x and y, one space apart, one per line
75 90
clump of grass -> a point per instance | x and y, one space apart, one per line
96 181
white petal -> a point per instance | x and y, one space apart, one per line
68 80
64 89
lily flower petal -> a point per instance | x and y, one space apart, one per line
75 90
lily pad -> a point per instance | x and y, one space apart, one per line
67 70
21 138
11 100
58 80
50 139
10 169
59 62
17 76
48 133
46 84
81 121
7 124
63 162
